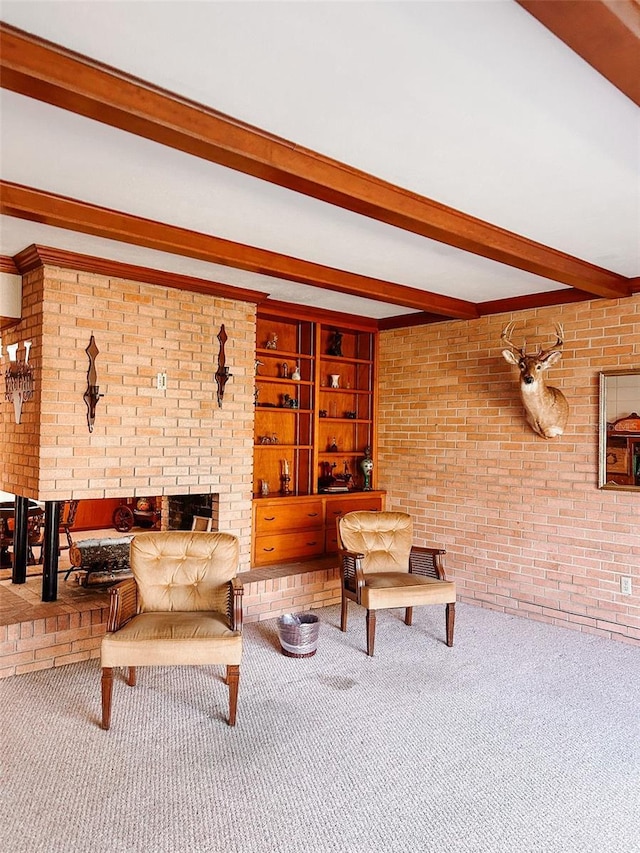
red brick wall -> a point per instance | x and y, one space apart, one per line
525 526
144 441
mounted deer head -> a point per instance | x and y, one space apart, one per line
546 407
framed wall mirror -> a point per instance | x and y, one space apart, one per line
619 456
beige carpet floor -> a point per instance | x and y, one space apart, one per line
523 737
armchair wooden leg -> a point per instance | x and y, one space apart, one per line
233 678
343 613
371 631
132 677
107 689
450 619
408 616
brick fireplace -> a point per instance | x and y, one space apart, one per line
176 444
145 440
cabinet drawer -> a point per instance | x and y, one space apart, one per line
302 515
340 506
331 539
288 546
337 507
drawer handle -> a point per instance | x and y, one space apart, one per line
309 544
272 518
312 514
268 549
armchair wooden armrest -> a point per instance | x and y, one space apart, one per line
236 591
351 571
427 562
123 604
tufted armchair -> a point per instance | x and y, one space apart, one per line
183 606
381 569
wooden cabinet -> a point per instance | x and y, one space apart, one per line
315 412
622 452
287 528
298 528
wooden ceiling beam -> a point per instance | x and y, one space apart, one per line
605 33
49 73
61 212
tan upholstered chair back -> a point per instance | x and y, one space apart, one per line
183 571
383 537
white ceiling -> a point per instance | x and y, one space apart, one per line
473 104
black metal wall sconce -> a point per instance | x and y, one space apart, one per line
222 373
92 394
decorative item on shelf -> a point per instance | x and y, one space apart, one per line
284 370
268 439
289 402
264 488
92 394
296 373
366 466
222 373
343 481
335 345
351 415
258 364
326 478
285 478
322 413
335 380
333 447
256 395
18 378
272 343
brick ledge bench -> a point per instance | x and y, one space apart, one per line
290 587
71 629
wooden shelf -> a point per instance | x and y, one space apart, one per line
303 435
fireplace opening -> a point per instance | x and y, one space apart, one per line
136 514
182 509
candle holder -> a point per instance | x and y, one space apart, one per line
18 379
92 394
223 375
286 479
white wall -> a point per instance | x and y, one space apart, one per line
10 295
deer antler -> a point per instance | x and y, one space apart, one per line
558 344
506 333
